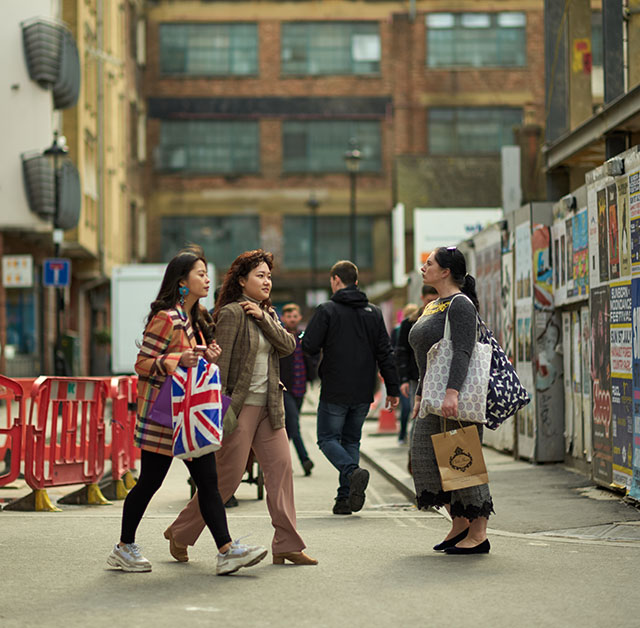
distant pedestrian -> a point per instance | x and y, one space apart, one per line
252 342
446 270
175 329
354 342
295 371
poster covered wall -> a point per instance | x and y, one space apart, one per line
585 333
576 385
579 287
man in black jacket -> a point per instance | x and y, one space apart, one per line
354 342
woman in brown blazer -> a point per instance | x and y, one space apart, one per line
252 341
175 334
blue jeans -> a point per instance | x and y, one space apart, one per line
339 433
292 407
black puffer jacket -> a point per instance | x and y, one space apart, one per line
354 342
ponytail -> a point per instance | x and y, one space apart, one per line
468 288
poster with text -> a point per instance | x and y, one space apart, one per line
580 265
568 388
614 244
621 381
634 490
523 263
568 259
542 272
585 332
624 226
634 215
601 385
603 235
506 337
594 237
576 384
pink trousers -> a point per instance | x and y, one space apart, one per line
271 448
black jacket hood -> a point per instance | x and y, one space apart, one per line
350 296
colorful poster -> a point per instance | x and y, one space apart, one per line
506 336
594 237
621 382
568 388
603 235
580 264
568 259
612 219
624 226
523 263
634 490
634 215
585 332
542 272
576 385
601 384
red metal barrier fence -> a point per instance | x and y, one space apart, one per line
11 437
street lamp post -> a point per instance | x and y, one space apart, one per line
313 203
352 158
55 152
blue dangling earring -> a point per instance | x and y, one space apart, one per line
184 291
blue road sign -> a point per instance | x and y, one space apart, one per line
56 272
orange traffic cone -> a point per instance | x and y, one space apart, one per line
387 423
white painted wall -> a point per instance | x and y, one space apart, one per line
26 114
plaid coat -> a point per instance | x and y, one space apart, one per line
167 335
237 335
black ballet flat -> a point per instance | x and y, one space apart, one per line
451 542
483 548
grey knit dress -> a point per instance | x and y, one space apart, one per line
475 501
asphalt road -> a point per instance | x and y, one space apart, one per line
376 569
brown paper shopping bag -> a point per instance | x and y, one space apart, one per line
460 460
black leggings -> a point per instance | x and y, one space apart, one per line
153 470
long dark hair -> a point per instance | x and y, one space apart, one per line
177 270
231 289
453 259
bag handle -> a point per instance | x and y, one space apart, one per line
443 424
447 327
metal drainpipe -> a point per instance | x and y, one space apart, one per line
100 131
412 10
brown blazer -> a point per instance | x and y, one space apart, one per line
237 335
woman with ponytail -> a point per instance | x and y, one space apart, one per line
446 270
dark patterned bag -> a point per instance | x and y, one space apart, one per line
506 394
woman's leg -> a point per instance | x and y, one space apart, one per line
153 470
231 462
273 453
204 474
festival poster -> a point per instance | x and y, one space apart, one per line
601 385
542 272
614 236
576 384
634 216
585 333
568 388
634 490
580 264
593 267
568 258
523 263
603 235
621 381
624 226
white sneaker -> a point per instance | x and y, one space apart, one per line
239 555
128 558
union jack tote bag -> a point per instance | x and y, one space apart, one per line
196 401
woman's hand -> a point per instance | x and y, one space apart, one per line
213 352
416 407
404 389
252 309
450 403
189 358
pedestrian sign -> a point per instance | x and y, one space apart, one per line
56 272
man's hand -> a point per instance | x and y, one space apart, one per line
404 389
391 402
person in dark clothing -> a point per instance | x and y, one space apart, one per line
354 342
295 371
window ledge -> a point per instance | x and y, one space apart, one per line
469 68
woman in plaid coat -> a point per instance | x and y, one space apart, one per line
176 333
252 341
